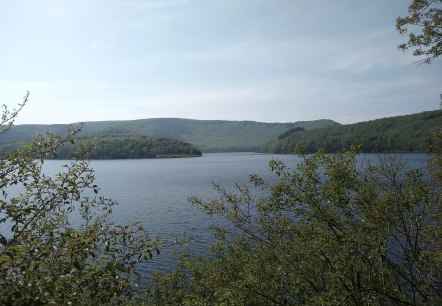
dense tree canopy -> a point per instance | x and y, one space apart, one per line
129 147
424 28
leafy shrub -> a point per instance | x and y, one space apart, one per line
46 258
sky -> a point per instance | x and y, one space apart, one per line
259 60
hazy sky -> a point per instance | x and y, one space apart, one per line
262 60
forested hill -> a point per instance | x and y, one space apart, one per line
394 134
207 135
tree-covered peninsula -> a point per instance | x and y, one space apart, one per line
119 147
409 133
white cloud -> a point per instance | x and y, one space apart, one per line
373 50
228 97
253 59
154 4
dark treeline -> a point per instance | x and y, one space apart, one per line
290 132
396 134
131 147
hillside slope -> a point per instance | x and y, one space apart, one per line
394 134
207 135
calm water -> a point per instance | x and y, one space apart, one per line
155 191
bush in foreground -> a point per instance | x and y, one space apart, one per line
57 243
329 232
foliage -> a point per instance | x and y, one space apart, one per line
425 17
8 116
57 242
329 232
129 147
395 134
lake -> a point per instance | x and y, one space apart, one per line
155 191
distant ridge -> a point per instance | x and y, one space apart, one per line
410 133
207 135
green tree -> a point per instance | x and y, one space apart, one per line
425 24
329 232
57 244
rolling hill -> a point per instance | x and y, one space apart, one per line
207 135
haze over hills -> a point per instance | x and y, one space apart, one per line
410 133
207 135
394 134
